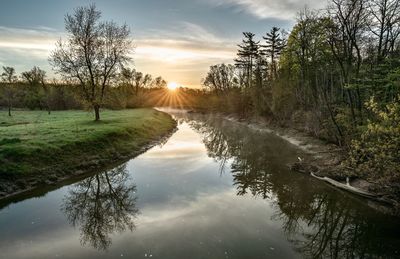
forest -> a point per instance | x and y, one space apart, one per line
335 75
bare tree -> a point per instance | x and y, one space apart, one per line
350 17
93 54
9 77
384 25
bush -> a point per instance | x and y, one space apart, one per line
376 154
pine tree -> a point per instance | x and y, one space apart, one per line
273 48
248 53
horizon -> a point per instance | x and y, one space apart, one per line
179 42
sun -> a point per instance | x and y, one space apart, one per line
172 86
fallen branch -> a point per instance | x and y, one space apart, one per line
346 187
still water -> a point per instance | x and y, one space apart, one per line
214 189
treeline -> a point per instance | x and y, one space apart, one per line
33 90
335 74
93 63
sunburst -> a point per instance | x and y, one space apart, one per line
172 86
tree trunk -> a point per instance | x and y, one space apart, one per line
353 115
9 110
97 112
48 107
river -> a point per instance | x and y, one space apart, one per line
214 189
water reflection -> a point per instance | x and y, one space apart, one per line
254 207
102 205
319 222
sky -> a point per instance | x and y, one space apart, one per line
175 39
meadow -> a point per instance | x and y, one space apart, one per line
34 142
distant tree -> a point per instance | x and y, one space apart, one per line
135 79
36 78
159 82
128 76
93 55
221 78
274 44
143 80
9 78
247 54
149 80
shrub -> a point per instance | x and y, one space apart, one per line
376 154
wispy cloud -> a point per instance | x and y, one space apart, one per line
35 38
184 40
263 9
23 48
175 51
181 53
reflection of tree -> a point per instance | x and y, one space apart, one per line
101 205
320 223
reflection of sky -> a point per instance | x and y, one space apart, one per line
187 210
177 171
183 146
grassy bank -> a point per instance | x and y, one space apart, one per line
39 148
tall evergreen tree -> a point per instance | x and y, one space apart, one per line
247 55
273 48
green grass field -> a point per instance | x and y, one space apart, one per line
33 142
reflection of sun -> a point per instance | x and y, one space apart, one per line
172 85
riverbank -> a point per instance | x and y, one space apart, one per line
326 162
37 149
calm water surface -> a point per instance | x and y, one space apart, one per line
214 189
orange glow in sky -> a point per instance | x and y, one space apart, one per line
172 85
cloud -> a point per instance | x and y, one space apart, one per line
32 39
24 48
263 9
184 42
175 51
182 52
